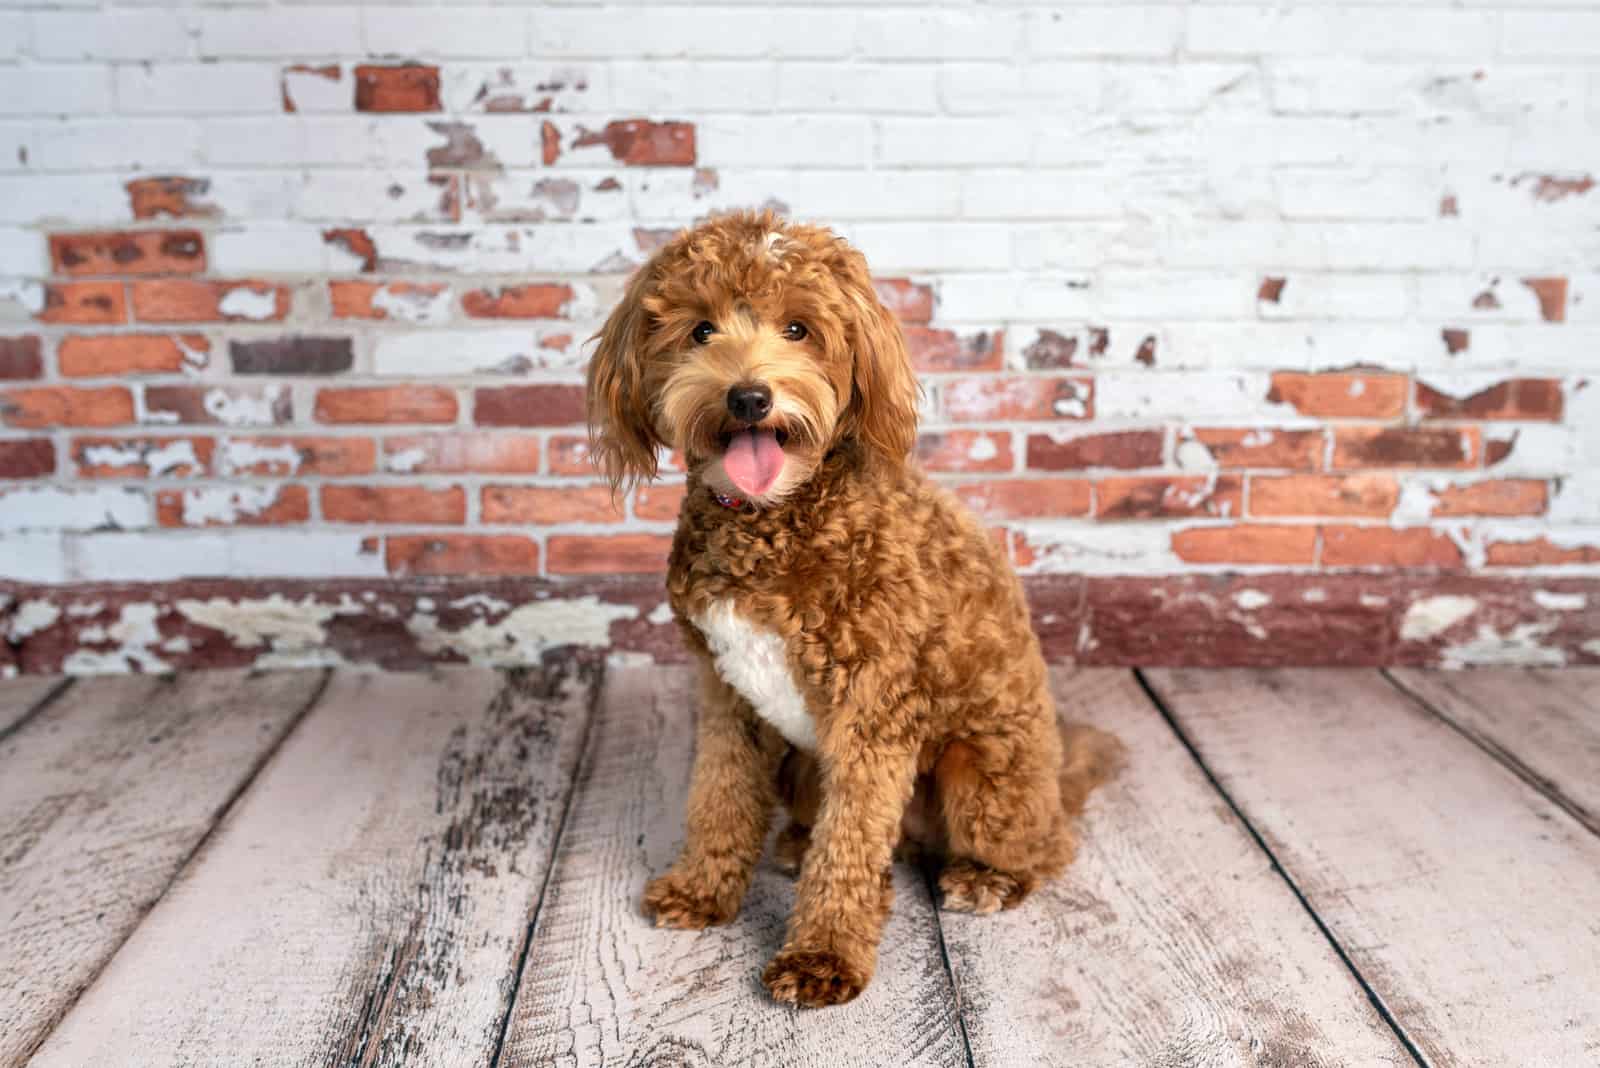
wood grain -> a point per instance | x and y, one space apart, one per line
20 696
367 901
1169 941
103 797
1464 897
603 986
1544 724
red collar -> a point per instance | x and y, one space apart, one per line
727 501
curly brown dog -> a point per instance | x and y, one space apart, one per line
867 650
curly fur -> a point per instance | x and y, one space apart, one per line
899 624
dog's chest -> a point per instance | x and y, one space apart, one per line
751 659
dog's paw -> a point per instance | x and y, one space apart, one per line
967 886
813 979
789 851
673 902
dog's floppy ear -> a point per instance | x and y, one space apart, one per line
883 402
622 437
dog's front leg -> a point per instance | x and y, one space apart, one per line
843 895
732 792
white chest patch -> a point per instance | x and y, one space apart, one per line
751 659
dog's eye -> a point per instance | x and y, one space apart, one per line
702 333
795 331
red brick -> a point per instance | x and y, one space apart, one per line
185 300
390 89
295 355
291 505
20 358
313 456
1165 496
965 450
518 302
549 505
1051 351
1271 289
1032 498
47 406
461 554
85 303
27 458
1540 552
1503 496
659 502
549 142
1406 447
1552 295
1298 450
357 243
387 404
1456 340
103 457
1535 399
547 405
1124 449
1341 395
911 302
1388 547
582 554
394 504
1018 397
642 143
432 454
169 195
353 300
1335 495
204 405
569 455
104 355
1246 544
945 350
129 252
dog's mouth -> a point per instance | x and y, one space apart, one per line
753 457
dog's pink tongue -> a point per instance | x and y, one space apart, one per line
754 460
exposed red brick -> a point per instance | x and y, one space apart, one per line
409 88
518 302
393 504
46 406
1388 547
1166 496
1486 301
1332 495
1341 395
354 300
548 505
1032 498
549 142
1501 496
642 143
104 457
205 405
129 354
27 458
1246 544
1018 397
1099 340
129 252
356 242
301 455
182 300
1449 206
1146 354
580 554
1552 294
1551 187
1271 290
1421 446
1124 449
20 358
329 71
432 454
1270 447
1540 552
291 505
461 554
659 502
171 195
292 356
945 350
387 404
911 302
85 303
1516 398
544 405
569 455
1051 351
1456 340
965 450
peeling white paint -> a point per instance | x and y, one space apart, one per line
1416 505
1250 600
242 454
85 609
526 632
1518 647
1432 616
29 296
1373 600
226 505
275 621
983 448
1192 455
406 460
1592 647
413 305
1315 595
157 459
243 409
136 635
249 302
196 358
1560 602
482 602
30 617
660 615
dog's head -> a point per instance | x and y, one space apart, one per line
754 346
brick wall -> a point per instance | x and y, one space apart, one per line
302 290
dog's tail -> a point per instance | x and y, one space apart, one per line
1091 757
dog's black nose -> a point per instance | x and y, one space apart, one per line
750 404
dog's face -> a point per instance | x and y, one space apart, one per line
752 346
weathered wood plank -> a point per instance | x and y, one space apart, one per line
103 797
20 696
1463 896
603 986
368 899
1545 724
1169 941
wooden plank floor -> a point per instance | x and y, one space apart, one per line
1296 868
